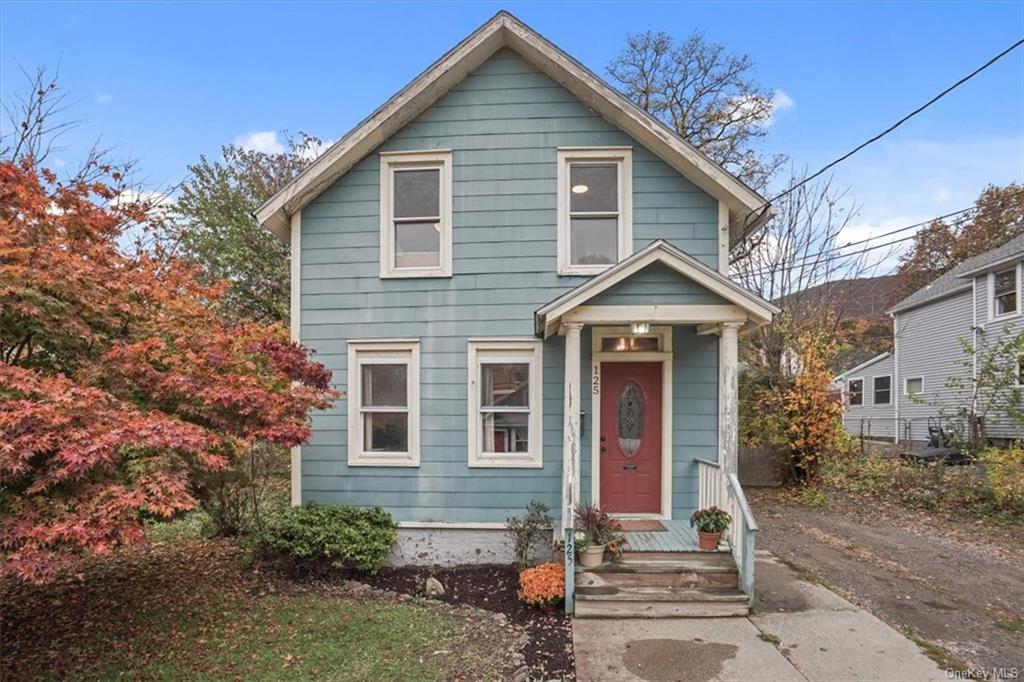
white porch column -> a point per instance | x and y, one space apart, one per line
570 455
728 396
571 423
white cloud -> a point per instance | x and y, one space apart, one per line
941 195
157 202
104 97
59 162
313 149
767 106
265 141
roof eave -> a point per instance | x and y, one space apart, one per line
505 30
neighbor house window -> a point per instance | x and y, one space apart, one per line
383 403
1005 292
416 214
595 208
505 403
855 391
913 387
883 390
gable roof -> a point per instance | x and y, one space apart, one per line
659 251
864 365
957 279
505 30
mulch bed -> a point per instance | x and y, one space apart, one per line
493 587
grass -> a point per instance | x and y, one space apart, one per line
769 637
937 653
190 610
309 637
1012 625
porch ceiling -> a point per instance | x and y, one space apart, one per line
739 306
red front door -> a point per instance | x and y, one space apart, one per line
631 437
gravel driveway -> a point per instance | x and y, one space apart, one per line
957 584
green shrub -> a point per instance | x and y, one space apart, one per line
528 530
315 537
1005 475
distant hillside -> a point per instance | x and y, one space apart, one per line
863 304
857 299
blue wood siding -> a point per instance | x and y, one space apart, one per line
503 124
657 284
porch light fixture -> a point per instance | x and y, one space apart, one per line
580 189
640 328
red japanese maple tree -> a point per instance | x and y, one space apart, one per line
120 386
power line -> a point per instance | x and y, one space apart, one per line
894 126
808 258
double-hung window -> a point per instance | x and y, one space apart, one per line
595 208
383 403
505 403
416 214
855 391
1005 286
883 390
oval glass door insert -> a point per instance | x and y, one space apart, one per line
630 418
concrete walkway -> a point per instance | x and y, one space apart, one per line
801 632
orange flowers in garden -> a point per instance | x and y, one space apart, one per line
542 585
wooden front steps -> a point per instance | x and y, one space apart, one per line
661 585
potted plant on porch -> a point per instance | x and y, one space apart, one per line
710 524
597 532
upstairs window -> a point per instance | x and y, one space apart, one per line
855 391
416 214
595 208
883 390
1005 290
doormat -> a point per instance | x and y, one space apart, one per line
641 525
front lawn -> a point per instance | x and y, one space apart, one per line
189 610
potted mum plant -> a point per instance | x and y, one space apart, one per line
710 524
596 533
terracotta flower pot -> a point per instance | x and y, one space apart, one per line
708 541
592 556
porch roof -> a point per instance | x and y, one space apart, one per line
741 305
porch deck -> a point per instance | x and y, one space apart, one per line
678 536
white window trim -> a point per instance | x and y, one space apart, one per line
398 351
507 350
874 390
906 385
623 156
850 381
992 316
389 162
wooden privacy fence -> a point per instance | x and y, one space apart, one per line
758 467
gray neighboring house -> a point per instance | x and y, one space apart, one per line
980 297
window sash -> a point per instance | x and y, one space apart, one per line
1005 299
880 391
616 214
857 392
382 409
436 260
512 359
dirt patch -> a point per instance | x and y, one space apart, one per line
947 581
493 587
661 660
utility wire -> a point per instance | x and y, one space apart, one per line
835 255
893 127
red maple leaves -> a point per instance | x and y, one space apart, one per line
119 383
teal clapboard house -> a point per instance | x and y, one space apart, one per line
520 282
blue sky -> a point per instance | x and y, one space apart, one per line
166 82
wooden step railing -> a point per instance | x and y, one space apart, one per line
718 489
